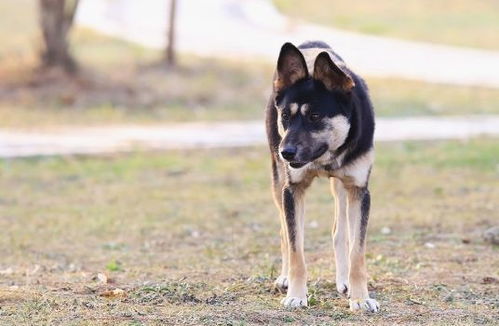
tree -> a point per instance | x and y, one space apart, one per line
170 47
56 20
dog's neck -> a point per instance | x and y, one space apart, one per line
334 163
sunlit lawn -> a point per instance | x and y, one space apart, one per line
191 237
472 23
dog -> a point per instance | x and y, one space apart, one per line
320 122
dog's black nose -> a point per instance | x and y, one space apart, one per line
288 152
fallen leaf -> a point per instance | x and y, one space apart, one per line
116 293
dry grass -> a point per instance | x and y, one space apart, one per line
191 237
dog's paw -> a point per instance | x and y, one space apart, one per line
281 283
294 302
342 288
370 305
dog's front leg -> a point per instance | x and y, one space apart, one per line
281 282
340 235
359 202
293 206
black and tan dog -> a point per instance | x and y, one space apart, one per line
320 122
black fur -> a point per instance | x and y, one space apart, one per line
365 205
314 44
288 203
311 109
356 106
360 136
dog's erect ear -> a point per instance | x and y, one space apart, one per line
291 67
330 74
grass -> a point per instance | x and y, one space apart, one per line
455 22
123 83
191 237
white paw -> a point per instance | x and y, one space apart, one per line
370 305
342 288
294 302
281 283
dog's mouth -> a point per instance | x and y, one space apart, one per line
319 152
297 165
316 155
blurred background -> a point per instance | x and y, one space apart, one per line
170 220
99 62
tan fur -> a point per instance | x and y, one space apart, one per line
356 173
357 277
298 175
280 128
335 133
333 80
340 235
297 273
293 73
304 109
277 192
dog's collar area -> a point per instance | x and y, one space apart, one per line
331 166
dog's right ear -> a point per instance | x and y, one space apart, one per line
291 67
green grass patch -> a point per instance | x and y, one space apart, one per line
462 22
191 237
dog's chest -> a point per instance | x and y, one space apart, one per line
312 171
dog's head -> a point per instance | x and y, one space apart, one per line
313 109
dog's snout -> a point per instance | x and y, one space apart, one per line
288 152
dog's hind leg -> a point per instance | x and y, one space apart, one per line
340 235
359 201
293 205
277 185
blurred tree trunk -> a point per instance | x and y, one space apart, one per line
170 47
56 20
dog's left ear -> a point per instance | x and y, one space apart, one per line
332 76
291 67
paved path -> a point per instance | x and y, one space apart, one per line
110 139
254 28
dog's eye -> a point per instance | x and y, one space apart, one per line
285 116
314 117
